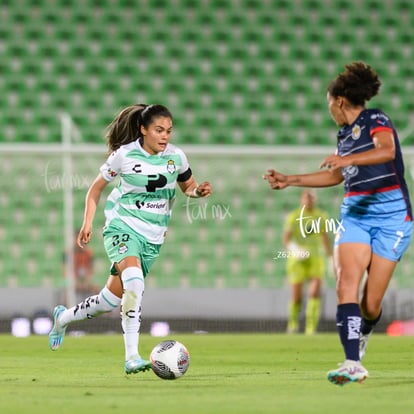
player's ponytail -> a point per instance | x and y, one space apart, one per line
125 127
358 83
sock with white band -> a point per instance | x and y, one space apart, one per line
105 301
133 281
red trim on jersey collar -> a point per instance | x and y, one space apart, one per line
369 192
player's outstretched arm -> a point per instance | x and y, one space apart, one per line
326 178
91 201
191 189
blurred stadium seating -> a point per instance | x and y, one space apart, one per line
228 240
231 71
247 71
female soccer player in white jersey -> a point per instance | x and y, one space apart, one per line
137 214
376 214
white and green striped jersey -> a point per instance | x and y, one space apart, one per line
145 194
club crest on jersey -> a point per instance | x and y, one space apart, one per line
123 248
356 132
171 168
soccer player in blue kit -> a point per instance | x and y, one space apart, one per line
376 213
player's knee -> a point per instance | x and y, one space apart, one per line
371 309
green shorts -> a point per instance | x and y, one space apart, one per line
300 271
121 241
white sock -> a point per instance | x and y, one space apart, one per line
133 281
105 301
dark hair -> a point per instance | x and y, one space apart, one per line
151 112
358 83
126 126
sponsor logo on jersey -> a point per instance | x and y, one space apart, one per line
151 205
350 171
137 168
380 117
155 205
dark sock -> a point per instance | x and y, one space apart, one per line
348 322
369 324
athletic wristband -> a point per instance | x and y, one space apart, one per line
195 193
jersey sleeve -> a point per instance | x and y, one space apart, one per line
112 166
184 173
379 122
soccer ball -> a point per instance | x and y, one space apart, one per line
170 359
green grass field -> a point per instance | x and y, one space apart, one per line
232 373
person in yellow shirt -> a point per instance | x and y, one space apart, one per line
307 243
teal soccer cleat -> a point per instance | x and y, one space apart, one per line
348 371
137 364
57 334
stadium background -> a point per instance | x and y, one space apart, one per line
245 81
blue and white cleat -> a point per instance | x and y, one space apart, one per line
137 364
363 343
348 371
57 333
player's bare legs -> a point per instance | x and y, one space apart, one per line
351 260
379 275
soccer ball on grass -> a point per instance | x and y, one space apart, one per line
170 359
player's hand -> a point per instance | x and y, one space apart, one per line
333 162
204 189
276 180
84 236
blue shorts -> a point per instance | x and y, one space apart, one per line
389 238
